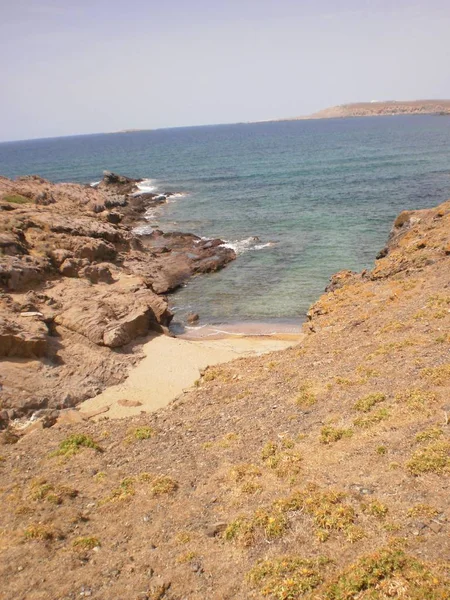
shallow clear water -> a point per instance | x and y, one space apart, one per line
324 193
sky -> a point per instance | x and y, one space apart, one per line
70 67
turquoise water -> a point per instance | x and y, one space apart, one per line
322 193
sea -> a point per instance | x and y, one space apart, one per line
297 200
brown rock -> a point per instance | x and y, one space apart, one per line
18 273
97 274
113 317
23 340
11 245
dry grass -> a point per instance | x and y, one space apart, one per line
434 458
16 199
386 573
368 402
83 544
328 509
269 524
330 434
306 397
437 375
40 532
284 462
141 433
55 494
287 577
371 419
416 399
74 443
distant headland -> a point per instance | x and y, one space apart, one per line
377 108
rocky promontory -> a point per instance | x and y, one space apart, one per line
385 108
78 287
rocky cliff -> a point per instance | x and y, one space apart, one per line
78 287
318 473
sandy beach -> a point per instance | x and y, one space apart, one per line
172 365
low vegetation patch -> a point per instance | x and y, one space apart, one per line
287 577
38 531
163 484
140 433
423 510
429 434
434 458
42 490
187 557
246 476
159 485
284 461
271 525
74 443
416 399
329 434
16 199
368 402
375 509
437 375
306 397
387 573
82 544
328 510
124 491
371 419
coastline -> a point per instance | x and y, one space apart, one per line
350 430
81 289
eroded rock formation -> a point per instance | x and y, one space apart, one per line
76 282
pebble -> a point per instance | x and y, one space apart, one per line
435 527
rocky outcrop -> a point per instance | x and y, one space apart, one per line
25 337
97 285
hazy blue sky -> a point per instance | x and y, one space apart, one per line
80 66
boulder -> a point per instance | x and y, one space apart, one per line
11 244
23 340
97 274
72 266
18 273
113 318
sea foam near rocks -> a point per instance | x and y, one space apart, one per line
146 186
250 243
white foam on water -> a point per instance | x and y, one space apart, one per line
251 243
176 196
146 186
94 184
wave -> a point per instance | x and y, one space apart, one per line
173 197
251 243
146 186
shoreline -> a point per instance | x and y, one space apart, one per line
171 366
78 282
272 328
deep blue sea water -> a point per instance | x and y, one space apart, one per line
323 192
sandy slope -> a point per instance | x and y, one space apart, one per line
172 365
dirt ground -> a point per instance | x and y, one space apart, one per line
320 471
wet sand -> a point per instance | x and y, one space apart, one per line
172 365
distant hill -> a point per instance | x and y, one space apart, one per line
391 107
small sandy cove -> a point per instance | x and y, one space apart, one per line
171 366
